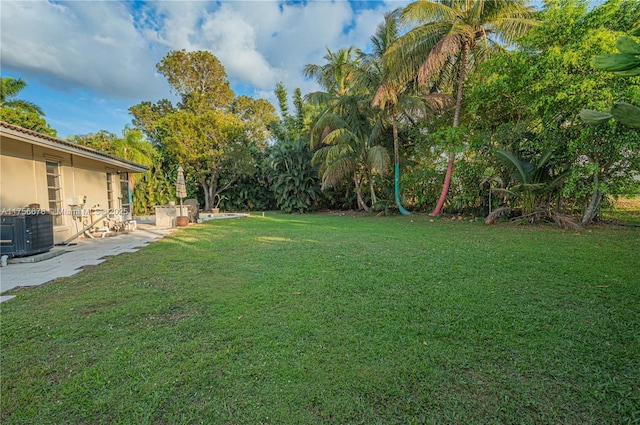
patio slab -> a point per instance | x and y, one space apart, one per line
69 260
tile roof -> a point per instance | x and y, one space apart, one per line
65 145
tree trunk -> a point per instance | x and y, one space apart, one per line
374 198
361 202
207 196
396 155
210 191
456 123
445 187
594 203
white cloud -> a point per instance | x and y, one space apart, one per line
111 48
78 45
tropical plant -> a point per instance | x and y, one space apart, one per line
336 76
346 147
347 130
9 89
153 188
293 179
21 112
624 64
531 188
451 37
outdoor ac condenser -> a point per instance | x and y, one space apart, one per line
26 234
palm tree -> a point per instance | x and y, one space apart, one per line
336 76
346 147
451 37
398 99
9 88
346 131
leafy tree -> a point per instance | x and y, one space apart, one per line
28 120
211 134
527 101
102 141
449 38
146 116
625 64
198 78
206 145
257 114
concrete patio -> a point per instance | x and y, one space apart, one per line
63 261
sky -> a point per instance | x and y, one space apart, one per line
87 62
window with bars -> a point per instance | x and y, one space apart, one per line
110 198
54 189
125 193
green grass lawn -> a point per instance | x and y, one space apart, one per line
329 319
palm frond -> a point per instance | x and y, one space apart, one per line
441 52
420 12
378 159
496 214
337 171
439 101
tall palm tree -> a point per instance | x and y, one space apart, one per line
336 76
451 37
9 88
346 146
396 98
346 131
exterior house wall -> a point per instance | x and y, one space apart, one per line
23 179
17 174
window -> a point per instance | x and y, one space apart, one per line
110 198
54 189
125 193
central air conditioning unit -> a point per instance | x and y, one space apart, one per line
26 234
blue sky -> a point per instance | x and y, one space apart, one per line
87 62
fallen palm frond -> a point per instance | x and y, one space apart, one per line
496 214
563 221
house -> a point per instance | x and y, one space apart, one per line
76 184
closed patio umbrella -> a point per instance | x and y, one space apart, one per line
181 187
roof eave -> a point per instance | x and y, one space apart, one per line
63 146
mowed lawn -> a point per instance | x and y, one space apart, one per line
335 319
